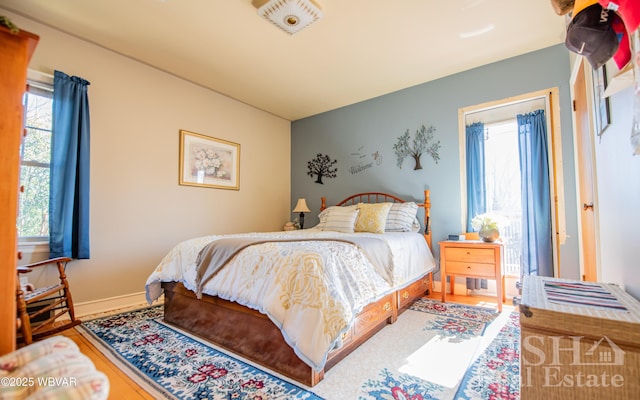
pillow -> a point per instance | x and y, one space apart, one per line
327 210
372 217
416 227
339 219
402 217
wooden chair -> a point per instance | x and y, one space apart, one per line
37 310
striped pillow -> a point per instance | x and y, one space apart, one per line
402 217
338 219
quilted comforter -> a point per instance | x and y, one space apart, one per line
312 290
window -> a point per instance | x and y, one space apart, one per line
500 164
35 153
502 179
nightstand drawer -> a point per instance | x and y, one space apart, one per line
470 268
477 255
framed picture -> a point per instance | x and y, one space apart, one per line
602 111
209 162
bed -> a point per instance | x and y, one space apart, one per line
298 302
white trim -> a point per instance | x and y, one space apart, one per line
40 76
461 288
111 304
556 166
31 247
462 148
591 110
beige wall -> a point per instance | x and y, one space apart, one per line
138 210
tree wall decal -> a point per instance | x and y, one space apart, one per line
420 145
321 167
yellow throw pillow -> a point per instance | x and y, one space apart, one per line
372 217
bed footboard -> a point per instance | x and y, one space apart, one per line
252 335
238 329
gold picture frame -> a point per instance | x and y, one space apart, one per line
206 161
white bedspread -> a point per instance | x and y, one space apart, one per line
298 284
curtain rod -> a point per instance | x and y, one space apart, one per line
43 74
40 80
39 85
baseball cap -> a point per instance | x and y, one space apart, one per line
590 34
623 55
629 11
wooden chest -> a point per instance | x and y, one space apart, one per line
579 340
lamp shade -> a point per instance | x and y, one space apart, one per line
301 206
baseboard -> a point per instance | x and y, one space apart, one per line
461 287
112 304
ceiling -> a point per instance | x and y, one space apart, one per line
360 49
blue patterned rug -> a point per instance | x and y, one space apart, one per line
434 369
496 373
169 364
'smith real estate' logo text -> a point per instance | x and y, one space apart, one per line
571 361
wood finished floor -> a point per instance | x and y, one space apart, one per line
122 387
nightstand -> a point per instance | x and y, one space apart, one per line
473 259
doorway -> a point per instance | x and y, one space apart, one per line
501 114
585 172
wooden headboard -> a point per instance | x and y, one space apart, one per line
377 197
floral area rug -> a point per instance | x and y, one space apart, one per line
169 364
426 354
496 373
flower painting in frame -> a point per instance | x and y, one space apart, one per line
209 162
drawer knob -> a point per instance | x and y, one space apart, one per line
387 306
468 266
405 295
468 253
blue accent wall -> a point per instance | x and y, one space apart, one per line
353 134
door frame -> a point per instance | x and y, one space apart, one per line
591 110
552 110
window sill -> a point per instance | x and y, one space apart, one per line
33 246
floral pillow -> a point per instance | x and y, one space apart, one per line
402 218
372 217
338 219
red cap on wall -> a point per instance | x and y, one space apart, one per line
629 11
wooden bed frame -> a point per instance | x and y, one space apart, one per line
253 336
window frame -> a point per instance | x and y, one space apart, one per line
552 110
40 84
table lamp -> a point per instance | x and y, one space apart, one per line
302 208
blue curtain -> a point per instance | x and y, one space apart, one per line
69 191
537 256
476 189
